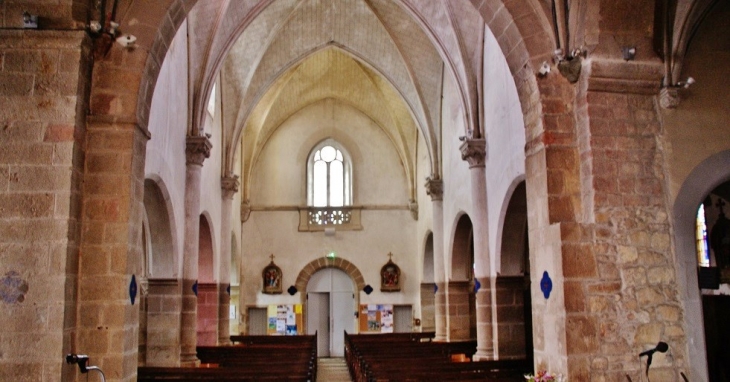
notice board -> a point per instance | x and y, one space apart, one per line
284 320
376 318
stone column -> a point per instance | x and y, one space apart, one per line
474 152
197 150
435 188
229 185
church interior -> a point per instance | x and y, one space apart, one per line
547 178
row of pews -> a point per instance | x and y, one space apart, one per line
404 357
249 359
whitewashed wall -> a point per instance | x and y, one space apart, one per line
457 179
165 155
505 130
210 189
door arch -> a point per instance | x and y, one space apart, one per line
330 310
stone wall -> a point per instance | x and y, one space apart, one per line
510 307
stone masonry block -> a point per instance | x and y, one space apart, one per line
581 337
16 84
668 313
578 261
660 275
575 299
25 154
20 131
649 297
27 205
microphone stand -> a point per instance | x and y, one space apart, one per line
661 347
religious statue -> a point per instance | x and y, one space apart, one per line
271 278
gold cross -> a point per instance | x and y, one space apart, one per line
390 256
272 257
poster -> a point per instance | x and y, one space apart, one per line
376 318
285 320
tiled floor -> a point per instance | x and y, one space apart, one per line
332 370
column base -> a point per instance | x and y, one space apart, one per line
189 360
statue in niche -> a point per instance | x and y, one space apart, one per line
390 276
272 278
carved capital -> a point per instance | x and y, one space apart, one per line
669 97
245 210
474 151
413 207
229 185
197 149
435 188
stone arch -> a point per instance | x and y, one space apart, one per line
700 182
507 22
325 262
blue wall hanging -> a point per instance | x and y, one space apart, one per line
546 284
477 285
195 288
133 289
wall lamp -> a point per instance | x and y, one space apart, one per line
629 53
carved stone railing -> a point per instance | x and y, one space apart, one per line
320 218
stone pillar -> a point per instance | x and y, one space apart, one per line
197 150
474 152
229 185
163 323
42 142
428 307
435 188
458 312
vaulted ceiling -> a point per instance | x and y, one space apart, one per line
384 58
372 55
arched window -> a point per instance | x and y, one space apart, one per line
330 179
703 253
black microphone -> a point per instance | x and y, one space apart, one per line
661 347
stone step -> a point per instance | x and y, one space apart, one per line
332 370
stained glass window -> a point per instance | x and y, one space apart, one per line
703 252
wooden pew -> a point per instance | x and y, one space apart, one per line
285 358
388 358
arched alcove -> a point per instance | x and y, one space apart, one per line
514 307
207 326
428 288
161 262
461 296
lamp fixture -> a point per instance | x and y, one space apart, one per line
30 21
629 53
